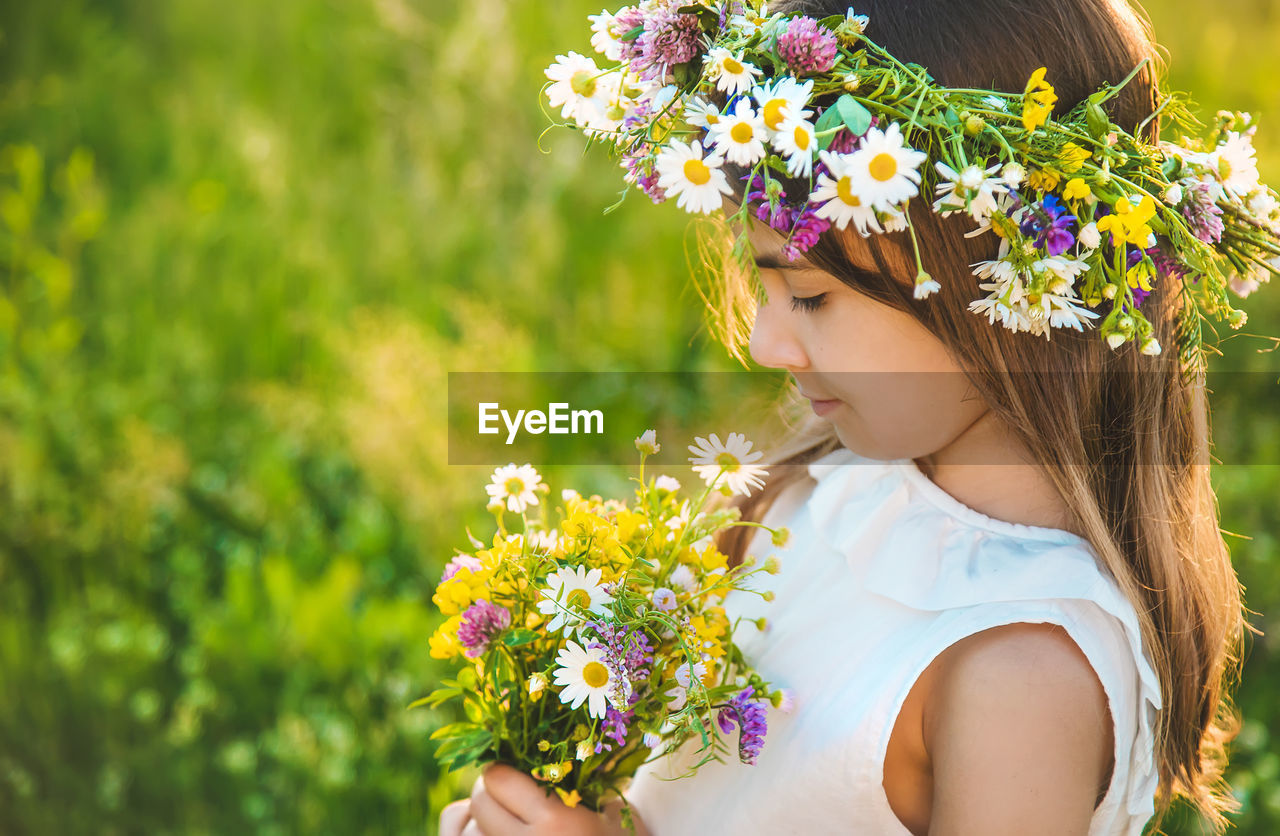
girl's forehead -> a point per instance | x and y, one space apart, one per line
858 252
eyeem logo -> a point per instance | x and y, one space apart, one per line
536 422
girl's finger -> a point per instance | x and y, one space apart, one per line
516 791
472 829
454 817
492 817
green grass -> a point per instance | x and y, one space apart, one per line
260 235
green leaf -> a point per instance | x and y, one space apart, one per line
436 697
455 729
1096 118
832 21
460 751
633 34
856 117
519 638
829 119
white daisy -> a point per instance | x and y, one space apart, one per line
734 458
978 188
577 90
647 442
893 220
749 22
796 142
605 122
733 75
1236 164
697 182
840 203
682 576
667 483
571 595
516 486
584 676
884 168
603 39
783 99
701 113
679 695
740 136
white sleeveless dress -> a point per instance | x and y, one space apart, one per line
883 572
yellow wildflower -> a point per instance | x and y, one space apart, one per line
1037 101
1076 189
444 642
570 799
1129 224
460 591
1044 179
1071 157
1139 276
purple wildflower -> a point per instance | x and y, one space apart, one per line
1203 215
807 47
1165 262
669 38
627 651
749 714
641 171
615 725
800 224
805 232
481 624
1133 257
458 562
1047 223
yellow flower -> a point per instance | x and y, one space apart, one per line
456 594
1037 101
1044 179
713 559
1076 189
444 642
570 799
1071 157
1139 276
1128 224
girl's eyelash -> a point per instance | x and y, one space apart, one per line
808 304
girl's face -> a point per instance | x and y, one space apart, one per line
888 386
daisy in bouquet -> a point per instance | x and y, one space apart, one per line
593 644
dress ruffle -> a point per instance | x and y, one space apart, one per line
941 554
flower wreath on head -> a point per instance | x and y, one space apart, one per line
1089 216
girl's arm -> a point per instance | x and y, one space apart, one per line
1019 735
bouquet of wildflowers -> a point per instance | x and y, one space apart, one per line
593 644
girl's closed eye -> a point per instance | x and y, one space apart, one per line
808 304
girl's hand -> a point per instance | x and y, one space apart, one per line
505 801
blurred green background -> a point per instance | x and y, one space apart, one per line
247 241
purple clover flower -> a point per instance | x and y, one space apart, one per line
669 38
1047 223
749 714
807 47
481 624
1203 215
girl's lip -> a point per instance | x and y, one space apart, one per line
823 407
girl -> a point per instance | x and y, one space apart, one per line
1006 607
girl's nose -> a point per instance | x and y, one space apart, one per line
773 341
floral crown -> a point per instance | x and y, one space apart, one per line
1089 216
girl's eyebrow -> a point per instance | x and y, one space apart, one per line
770 261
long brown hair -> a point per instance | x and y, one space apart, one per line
1122 436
